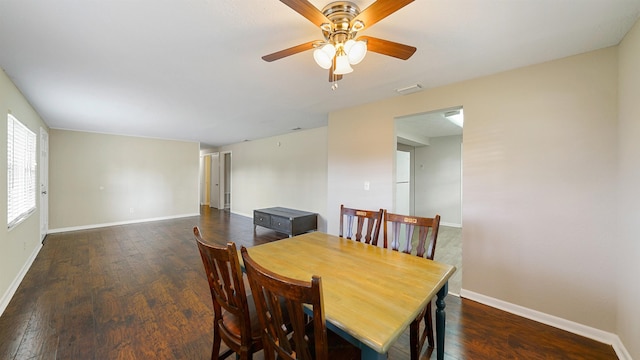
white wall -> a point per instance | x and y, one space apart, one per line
539 180
19 246
288 170
628 245
99 179
438 179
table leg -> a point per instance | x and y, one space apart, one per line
367 353
440 321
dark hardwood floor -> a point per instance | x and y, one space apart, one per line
139 292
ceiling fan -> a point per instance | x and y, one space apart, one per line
340 21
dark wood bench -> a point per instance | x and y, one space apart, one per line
287 221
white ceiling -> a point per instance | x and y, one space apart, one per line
411 129
191 69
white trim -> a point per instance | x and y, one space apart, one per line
250 216
451 224
621 351
557 322
95 226
6 297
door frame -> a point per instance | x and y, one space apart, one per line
44 183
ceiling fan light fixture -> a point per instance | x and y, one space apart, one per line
340 22
324 56
356 51
342 64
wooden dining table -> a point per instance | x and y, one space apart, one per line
371 294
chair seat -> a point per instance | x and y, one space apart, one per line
232 323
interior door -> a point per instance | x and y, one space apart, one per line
215 181
225 180
44 183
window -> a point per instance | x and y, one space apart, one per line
21 172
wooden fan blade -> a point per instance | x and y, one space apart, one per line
380 10
389 48
306 9
290 51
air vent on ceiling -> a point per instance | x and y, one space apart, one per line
409 89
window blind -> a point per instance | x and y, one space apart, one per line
21 171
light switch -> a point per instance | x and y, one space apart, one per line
366 185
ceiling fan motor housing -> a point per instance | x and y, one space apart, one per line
340 13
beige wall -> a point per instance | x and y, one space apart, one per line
98 179
629 193
361 148
20 245
288 170
539 180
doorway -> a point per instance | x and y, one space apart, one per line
404 180
430 145
214 200
205 179
225 180
215 180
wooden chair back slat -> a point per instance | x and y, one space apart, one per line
373 220
427 233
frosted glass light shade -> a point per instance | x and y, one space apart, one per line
324 56
342 65
356 50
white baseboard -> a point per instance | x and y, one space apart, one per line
250 216
621 351
95 226
560 323
451 224
6 297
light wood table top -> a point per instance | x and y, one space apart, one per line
369 292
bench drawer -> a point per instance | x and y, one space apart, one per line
281 224
261 219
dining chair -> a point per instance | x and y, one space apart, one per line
290 332
373 220
235 319
401 238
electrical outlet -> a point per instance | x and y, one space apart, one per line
130 210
